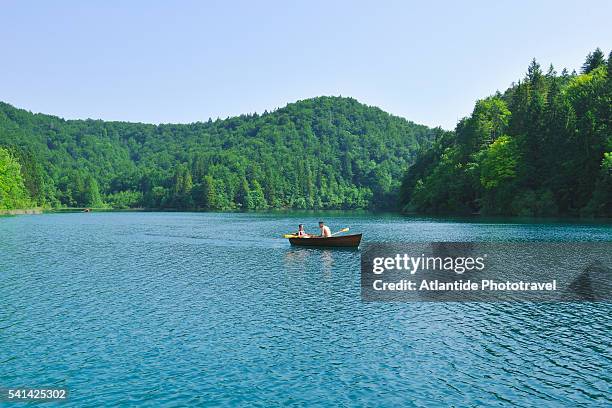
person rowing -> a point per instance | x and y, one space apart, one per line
325 231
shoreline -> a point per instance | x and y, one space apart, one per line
478 218
22 211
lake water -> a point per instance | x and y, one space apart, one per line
174 309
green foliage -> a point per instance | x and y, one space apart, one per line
498 163
606 163
124 199
79 189
593 61
13 193
488 121
601 201
326 152
257 198
540 148
91 193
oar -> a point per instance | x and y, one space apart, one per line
342 230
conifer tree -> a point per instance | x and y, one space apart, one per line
593 60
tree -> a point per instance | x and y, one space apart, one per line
534 74
498 163
181 188
91 192
488 121
243 198
13 193
257 197
211 202
594 60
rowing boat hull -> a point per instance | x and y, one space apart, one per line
344 241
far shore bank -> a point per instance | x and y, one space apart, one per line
475 218
22 211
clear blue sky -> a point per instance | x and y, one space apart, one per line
184 61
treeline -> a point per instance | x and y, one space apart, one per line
542 148
326 152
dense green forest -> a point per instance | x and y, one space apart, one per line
326 152
541 148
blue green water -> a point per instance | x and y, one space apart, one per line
176 309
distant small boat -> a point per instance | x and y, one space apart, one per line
343 241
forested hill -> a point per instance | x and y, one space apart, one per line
326 152
543 147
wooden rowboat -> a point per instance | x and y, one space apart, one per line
343 241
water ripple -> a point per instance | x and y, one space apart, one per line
215 309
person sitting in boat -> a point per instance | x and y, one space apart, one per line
325 231
301 233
